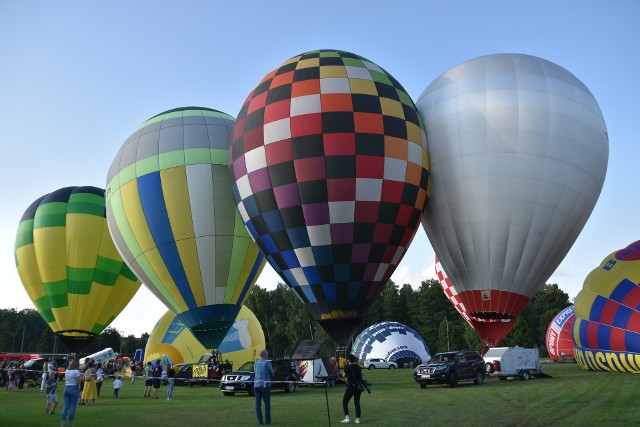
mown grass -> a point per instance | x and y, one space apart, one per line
572 397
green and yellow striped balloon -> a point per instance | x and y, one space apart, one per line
172 217
69 265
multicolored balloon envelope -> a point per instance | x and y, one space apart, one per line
518 150
173 219
393 342
170 338
69 266
330 170
559 340
606 332
488 330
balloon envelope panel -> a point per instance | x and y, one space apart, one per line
69 265
392 341
490 331
518 150
559 340
606 331
171 338
330 170
173 218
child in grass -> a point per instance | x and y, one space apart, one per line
117 385
52 396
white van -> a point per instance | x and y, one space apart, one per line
519 362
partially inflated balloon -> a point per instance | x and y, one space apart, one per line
518 150
393 342
559 340
487 329
173 218
330 169
606 331
171 338
69 265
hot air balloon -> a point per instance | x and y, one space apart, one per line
499 330
330 169
173 219
518 150
393 342
172 339
559 340
606 331
69 265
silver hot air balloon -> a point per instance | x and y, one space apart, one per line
518 150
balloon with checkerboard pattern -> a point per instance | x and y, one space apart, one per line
329 172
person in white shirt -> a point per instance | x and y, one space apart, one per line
117 385
71 392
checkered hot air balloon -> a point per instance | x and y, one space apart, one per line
173 218
330 170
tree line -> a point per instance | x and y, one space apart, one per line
286 322
25 331
427 310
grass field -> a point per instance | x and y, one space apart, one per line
572 397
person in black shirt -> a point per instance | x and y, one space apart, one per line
353 377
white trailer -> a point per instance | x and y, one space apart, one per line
518 362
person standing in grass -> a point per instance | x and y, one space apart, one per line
52 397
71 392
262 386
90 391
133 373
171 374
117 385
157 378
148 379
99 378
353 377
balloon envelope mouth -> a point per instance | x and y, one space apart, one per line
76 340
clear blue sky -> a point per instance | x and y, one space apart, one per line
76 78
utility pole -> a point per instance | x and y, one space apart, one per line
447 320
22 345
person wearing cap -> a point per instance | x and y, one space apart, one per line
262 386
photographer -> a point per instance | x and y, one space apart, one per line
353 377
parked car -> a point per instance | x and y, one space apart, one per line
241 381
518 362
450 368
379 363
33 369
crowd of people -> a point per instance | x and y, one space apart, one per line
12 375
82 387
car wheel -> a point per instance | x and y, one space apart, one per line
479 377
488 368
251 392
423 385
525 375
228 393
392 366
291 387
453 379
371 367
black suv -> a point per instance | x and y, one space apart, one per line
451 367
241 381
